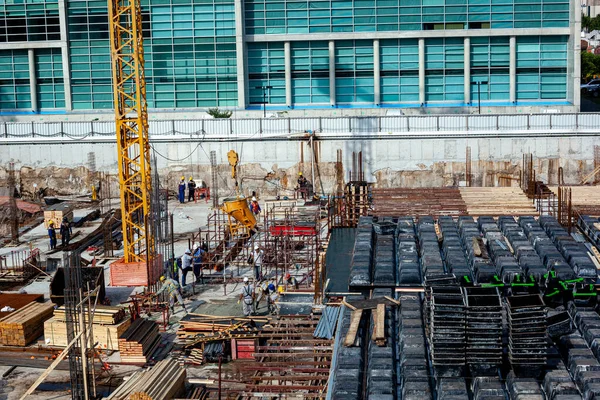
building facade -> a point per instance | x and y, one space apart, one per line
297 54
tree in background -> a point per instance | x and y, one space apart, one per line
590 65
590 24
216 113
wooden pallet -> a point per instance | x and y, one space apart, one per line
497 201
22 327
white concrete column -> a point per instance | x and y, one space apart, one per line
573 58
332 100
32 80
467 70
64 53
287 52
422 71
376 73
512 70
240 50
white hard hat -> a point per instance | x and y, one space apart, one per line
254 199
188 251
256 247
245 279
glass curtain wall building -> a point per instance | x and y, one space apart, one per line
294 54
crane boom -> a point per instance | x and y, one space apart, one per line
129 89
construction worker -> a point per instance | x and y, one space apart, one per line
52 234
272 298
254 206
257 260
186 265
198 259
247 298
65 231
291 280
191 189
182 190
172 288
303 185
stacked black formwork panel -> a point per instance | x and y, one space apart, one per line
576 254
527 336
523 388
409 270
429 248
587 224
587 322
507 266
452 388
447 319
413 367
488 388
347 380
545 248
381 365
453 253
360 268
483 268
384 263
483 327
528 259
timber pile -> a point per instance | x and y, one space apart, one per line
138 342
107 336
164 381
417 201
197 328
103 315
497 201
585 199
25 325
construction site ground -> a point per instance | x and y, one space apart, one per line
217 298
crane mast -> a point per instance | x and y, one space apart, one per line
129 89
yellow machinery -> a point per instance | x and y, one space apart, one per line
241 219
129 87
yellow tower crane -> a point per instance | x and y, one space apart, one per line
129 87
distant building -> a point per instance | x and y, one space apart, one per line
308 54
591 8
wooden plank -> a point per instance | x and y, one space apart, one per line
354 324
380 331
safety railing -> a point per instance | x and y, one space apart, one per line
249 128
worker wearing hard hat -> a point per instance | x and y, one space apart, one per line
290 280
172 288
247 298
65 231
186 266
52 234
256 259
303 185
272 298
191 189
254 206
182 190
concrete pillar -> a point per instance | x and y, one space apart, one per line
240 49
512 70
64 52
467 70
573 58
376 73
332 73
32 80
287 52
422 71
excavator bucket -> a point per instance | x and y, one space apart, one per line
238 209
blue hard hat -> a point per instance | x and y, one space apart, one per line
271 287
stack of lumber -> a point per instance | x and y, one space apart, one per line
164 381
107 336
417 201
103 315
198 328
497 201
585 199
17 301
138 342
56 213
25 325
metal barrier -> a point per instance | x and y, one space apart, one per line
248 128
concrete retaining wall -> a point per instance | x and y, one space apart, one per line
272 166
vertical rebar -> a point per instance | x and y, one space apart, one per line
214 189
468 167
12 204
